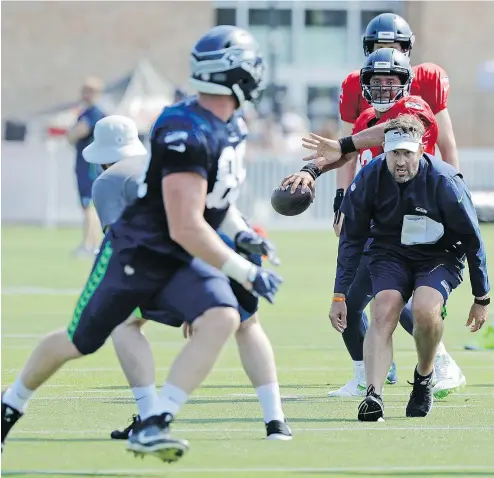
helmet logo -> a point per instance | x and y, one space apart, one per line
385 65
390 36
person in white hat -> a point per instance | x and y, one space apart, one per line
118 149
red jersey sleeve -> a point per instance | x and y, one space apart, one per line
362 122
416 106
350 97
433 85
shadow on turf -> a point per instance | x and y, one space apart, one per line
256 420
219 387
61 440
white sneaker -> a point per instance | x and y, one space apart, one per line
352 389
449 377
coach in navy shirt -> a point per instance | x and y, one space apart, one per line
414 216
81 135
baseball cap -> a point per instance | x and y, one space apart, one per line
398 139
115 138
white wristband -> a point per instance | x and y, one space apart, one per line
239 269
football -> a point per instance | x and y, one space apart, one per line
288 204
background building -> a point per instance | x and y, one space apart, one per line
48 48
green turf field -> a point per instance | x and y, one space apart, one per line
66 430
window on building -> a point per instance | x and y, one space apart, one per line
272 29
226 16
325 37
272 100
367 15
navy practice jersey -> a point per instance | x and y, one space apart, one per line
185 138
375 206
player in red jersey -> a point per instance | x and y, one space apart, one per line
385 78
430 81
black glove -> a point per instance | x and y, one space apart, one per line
338 199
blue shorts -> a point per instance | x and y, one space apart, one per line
395 274
247 302
123 280
86 174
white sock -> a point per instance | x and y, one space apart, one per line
441 349
17 396
359 371
172 399
269 396
147 400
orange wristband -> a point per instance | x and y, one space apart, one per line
338 299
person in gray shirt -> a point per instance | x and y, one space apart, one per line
124 158
117 148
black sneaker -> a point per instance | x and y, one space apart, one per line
9 418
125 433
371 409
152 437
421 398
278 430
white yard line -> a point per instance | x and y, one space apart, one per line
165 470
33 290
359 427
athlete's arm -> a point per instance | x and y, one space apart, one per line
446 139
80 130
184 196
234 223
346 174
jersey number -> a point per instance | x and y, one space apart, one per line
231 174
365 157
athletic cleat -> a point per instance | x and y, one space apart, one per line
485 340
392 377
152 437
126 432
371 409
421 398
352 389
448 376
10 416
355 387
278 430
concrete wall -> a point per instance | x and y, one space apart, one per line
48 48
458 36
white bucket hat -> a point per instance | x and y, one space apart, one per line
115 138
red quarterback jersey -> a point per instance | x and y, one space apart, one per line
430 82
412 105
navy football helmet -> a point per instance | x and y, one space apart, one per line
227 61
388 28
388 62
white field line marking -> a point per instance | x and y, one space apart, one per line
359 428
33 290
328 368
160 471
315 398
322 396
